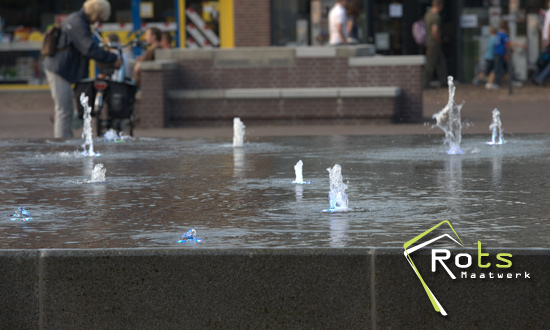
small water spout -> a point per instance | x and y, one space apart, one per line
337 195
298 171
496 129
21 214
98 173
87 133
190 236
238 132
112 136
448 119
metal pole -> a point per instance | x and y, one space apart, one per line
510 73
179 6
177 12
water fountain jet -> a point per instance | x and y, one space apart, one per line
496 129
21 214
298 171
190 236
448 119
238 132
87 133
337 195
98 173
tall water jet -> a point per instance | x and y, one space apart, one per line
337 195
87 133
298 171
238 132
98 173
448 119
496 129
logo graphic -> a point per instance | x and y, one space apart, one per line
463 261
437 306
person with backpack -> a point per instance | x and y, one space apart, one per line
70 60
435 60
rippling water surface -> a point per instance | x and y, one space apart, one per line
157 189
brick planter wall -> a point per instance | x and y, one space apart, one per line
309 72
187 111
278 68
152 108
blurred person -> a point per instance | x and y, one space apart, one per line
337 23
435 59
546 27
152 38
541 76
70 63
353 22
487 75
166 40
502 55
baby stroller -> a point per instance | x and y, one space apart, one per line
111 91
117 98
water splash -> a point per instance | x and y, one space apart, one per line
21 214
87 132
238 132
298 170
496 129
190 236
448 119
337 195
112 136
98 173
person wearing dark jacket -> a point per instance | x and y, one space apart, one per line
70 63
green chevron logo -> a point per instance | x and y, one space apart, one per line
408 249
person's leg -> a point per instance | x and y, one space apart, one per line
430 65
489 67
441 68
62 96
500 67
491 77
543 75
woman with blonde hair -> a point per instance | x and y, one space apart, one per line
97 10
69 64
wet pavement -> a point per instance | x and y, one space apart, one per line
525 111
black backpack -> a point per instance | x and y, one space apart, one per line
49 43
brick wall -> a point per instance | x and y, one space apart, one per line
252 21
152 109
187 111
202 72
313 72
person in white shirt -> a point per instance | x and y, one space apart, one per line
546 27
337 23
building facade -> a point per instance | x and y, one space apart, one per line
258 23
